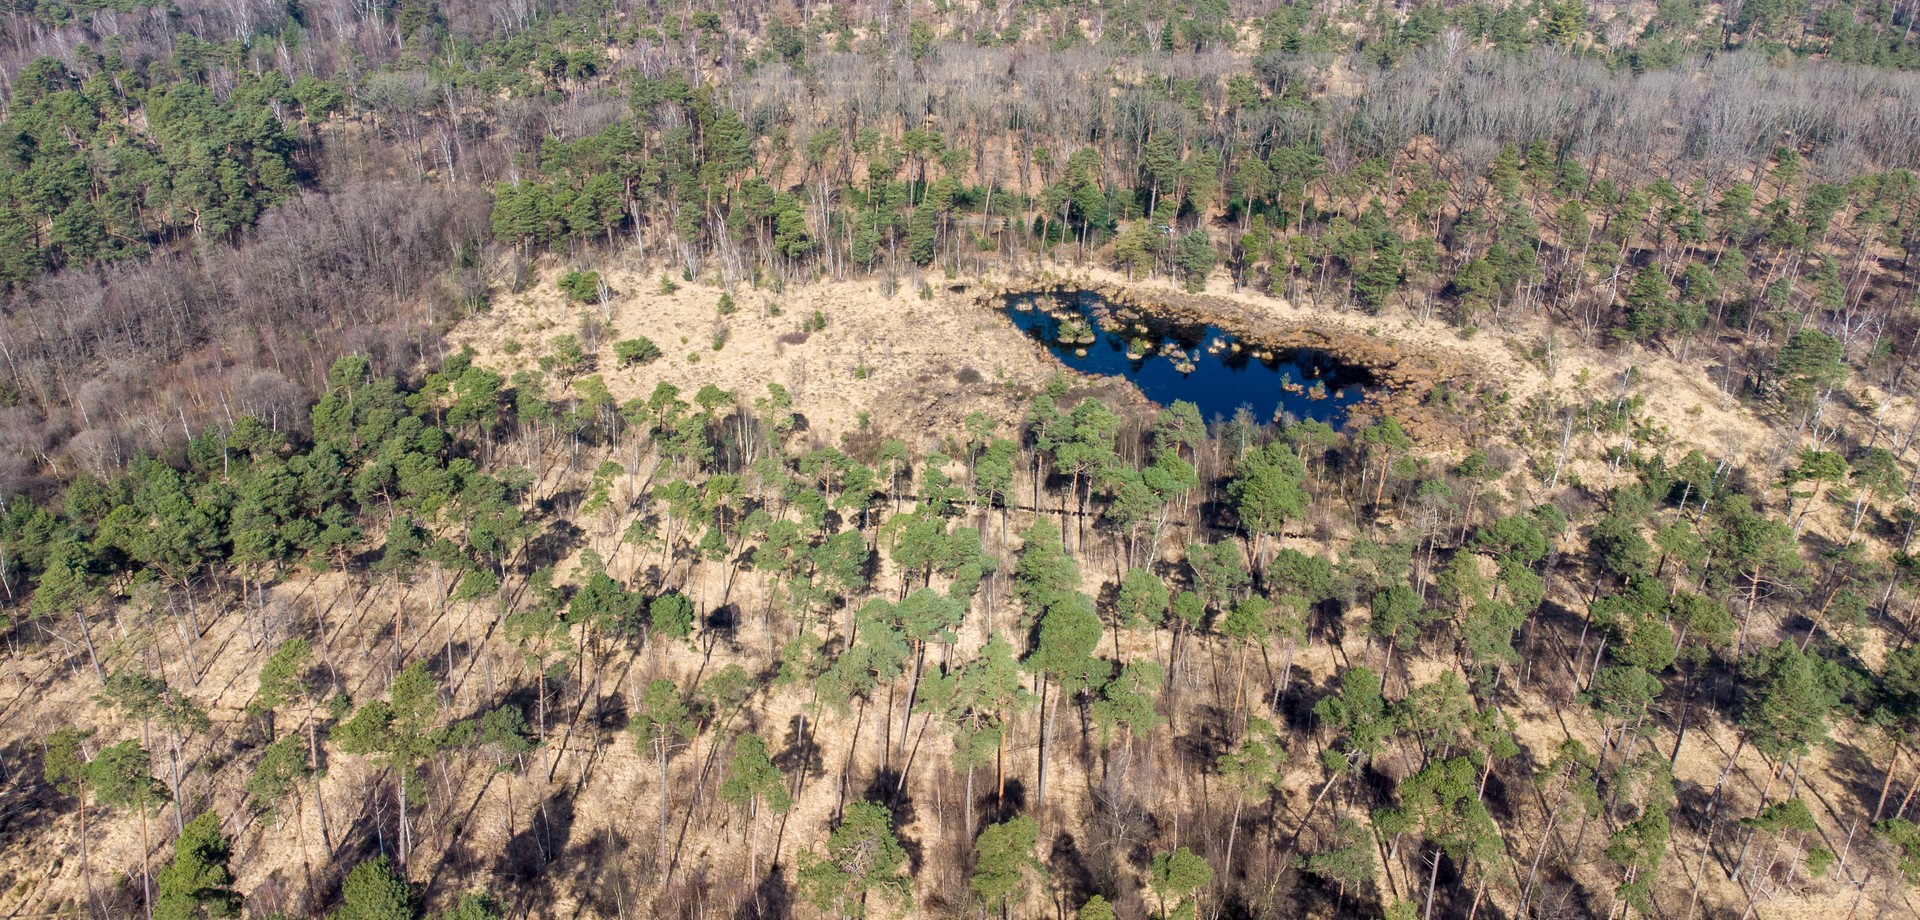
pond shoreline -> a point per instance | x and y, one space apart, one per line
1402 377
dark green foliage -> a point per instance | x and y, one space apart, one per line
1174 877
603 604
476 585
504 731
1142 599
1096 908
1069 633
1267 489
1517 537
1349 860
1195 257
979 699
1622 693
1004 860
1779 817
77 184
1253 768
1900 679
1639 847
1637 620
1219 572
1398 615
1782 280
862 859
121 776
1441 804
1752 540
1045 575
665 720
752 778
403 730
1127 701
581 286
1619 548
282 765
639 350
197 883
281 676
1650 305
373 891
1808 365
1358 716
671 616
1790 693
64 763
1250 620
1904 837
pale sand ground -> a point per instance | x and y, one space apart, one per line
915 349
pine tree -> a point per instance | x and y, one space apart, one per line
1267 491
1650 305
1064 657
282 766
862 858
1096 908
1252 770
474 905
753 780
1789 693
1195 257
1349 860
1004 860
1175 878
980 699
401 731
1045 575
664 723
373 891
1811 363
281 679
1127 701
197 883
1442 805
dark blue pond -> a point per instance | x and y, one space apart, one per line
1201 364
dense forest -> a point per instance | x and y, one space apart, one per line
518 459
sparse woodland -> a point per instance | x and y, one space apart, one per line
310 613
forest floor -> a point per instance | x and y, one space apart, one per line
904 361
483 824
912 368
917 352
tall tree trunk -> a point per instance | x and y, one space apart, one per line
1233 831
319 803
660 756
86 636
406 831
1893 763
86 862
146 865
1046 745
1433 878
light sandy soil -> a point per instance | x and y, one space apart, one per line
898 361
910 344
915 350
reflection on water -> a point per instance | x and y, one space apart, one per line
1201 364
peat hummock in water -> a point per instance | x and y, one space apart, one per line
1172 360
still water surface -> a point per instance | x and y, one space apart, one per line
1201 364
